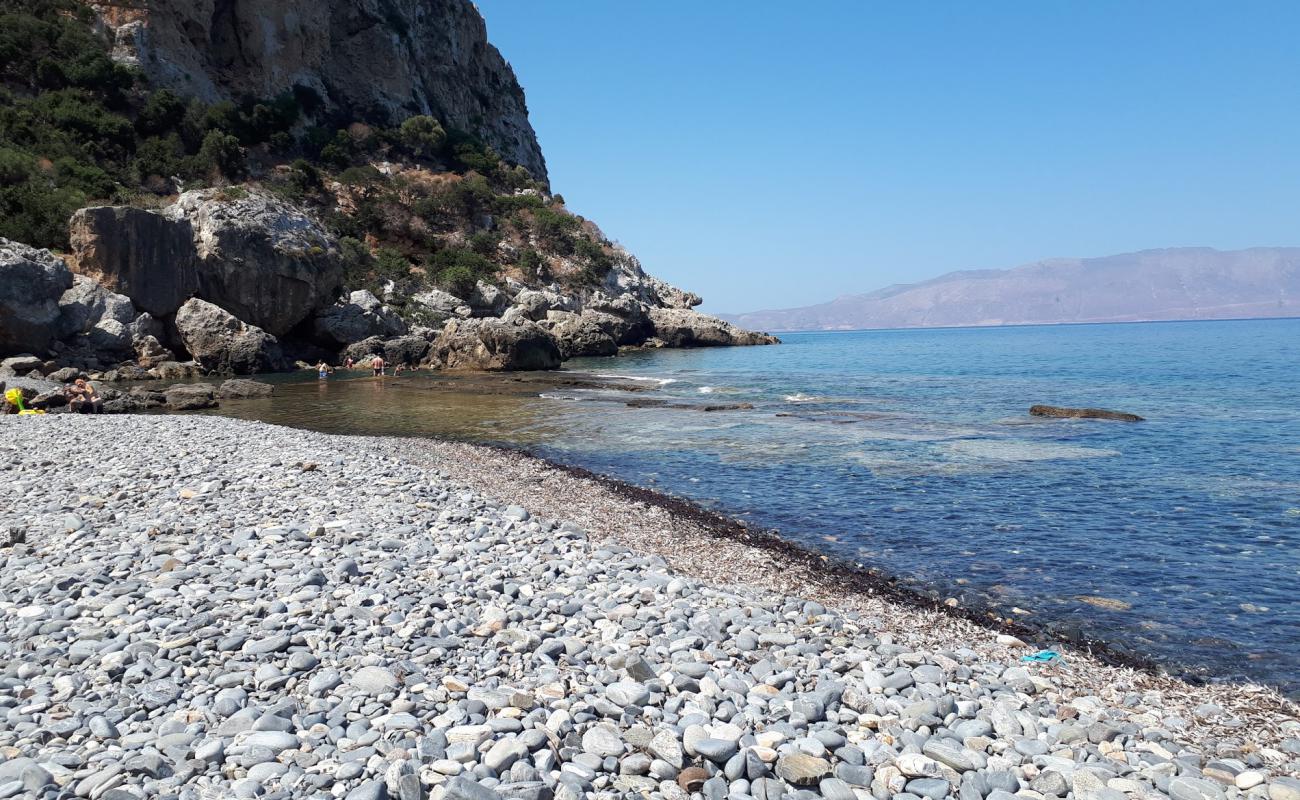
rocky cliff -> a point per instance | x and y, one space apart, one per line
377 61
1169 284
302 181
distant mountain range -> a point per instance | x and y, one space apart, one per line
1171 284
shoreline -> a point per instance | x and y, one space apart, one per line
790 565
265 609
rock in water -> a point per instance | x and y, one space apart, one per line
360 317
681 327
31 283
1083 413
261 259
243 389
222 343
494 345
137 253
190 396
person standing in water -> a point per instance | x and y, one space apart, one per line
323 370
349 364
377 364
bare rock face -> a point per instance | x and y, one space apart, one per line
589 334
31 283
494 345
137 253
259 258
678 327
360 317
408 350
221 343
87 305
377 61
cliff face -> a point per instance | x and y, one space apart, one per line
378 61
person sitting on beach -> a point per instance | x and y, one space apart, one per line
377 364
323 370
83 399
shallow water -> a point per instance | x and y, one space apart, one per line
912 451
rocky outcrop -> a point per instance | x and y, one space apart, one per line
222 343
1083 413
31 283
494 345
259 258
140 254
435 307
360 317
589 334
377 61
407 350
678 327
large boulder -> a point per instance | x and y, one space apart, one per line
360 317
635 325
31 283
244 389
191 396
409 350
86 304
141 254
494 345
221 343
680 327
259 258
590 334
487 300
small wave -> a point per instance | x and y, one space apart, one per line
800 397
706 390
660 381
546 396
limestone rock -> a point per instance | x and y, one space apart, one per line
137 253
377 61
222 343
86 304
243 389
259 258
494 345
677 327
190 396
409 350
590 334
31 283
360 317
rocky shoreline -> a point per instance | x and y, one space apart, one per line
217 608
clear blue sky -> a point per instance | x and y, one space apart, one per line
773 154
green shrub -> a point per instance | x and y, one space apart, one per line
423 136
458 270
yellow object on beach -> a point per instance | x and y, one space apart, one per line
15 397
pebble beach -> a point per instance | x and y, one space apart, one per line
201 607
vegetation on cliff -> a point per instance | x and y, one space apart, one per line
417 205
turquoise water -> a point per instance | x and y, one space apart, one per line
913 451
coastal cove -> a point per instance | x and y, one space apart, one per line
912 453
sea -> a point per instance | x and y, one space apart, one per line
912 452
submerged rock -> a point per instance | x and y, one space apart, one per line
1083 413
